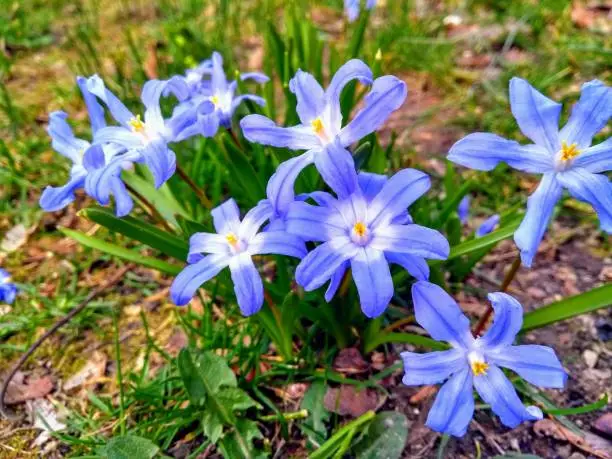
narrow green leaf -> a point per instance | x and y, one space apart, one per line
130 447
139 230
569 307
121 252
598 405
317 413
485 241
409 338
451 203
242 171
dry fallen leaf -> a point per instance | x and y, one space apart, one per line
89 373
44 416
552 429
14 238
21 389
350 361
348 401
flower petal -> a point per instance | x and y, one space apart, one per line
540 206
411 239
387 95
438 313
309 94
259 129
253 98
118 135
303 217
590 114
254 218
337 168
536 115
483 151
453 408
123 200
433 367
416 266
193 276
536 364
56 198
319 266
280 188
94 109
354 69
507 321
400 191
463 210
595 189
598 158
488 225
218 81
247 284
226 217
373 280
62 138
496 390
371 184
278 243
118 110
257 77
335 281
160 160
151 94
201 243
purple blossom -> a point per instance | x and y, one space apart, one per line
8 290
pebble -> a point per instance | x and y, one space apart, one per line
590 357
576 456
536 293
604 424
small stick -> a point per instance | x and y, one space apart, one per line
199 193
63 321
150 207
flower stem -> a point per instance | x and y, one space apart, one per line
148 206
199 193
516 264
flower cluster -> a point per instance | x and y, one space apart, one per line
8 290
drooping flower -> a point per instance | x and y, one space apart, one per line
488 225
565 157
352 7
475 362
321 132
212 100
138 140
65 143
366 230
234 245
463 210
8 290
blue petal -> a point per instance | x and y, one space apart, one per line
219 81
337 168
201 243
371 184
254 218
309 94
257 77
277 243
496 390
416 266
8 293
453 408
463 210
536 115
352 9
397 194
238 100
303 217
488 225
247 284
94 109
160 160
411 239
354 69
507 321
597 158
151 94
319 266
438 313
540 206
589 116
433 367
370 4
484 152
95 85
123 200
373 280
56 198
536 364
193 276
595 189
259 129
280 188
226 217
118 135
387 95
62 138
335 281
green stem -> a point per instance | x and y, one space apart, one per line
189 181
349 429
119 373
146 204
302 414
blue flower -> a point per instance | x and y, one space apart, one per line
487 226
565 157
211 102
65 143
366 230
474 362
321 132
463 210
8 290
234 245
137 140
351 7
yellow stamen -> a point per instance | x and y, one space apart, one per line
231 239
360 229
479 368
569 151
317 126
215 100
136 124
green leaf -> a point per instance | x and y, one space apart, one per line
130 447
242 172
161 198
238 443
451 203
317 414
409 338
598 405
385 437
568 307
139 230
236 399
485 241
121 252
205 372
212 425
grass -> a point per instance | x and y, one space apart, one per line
45 44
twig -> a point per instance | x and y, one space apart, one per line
151 208
63 321
189 181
